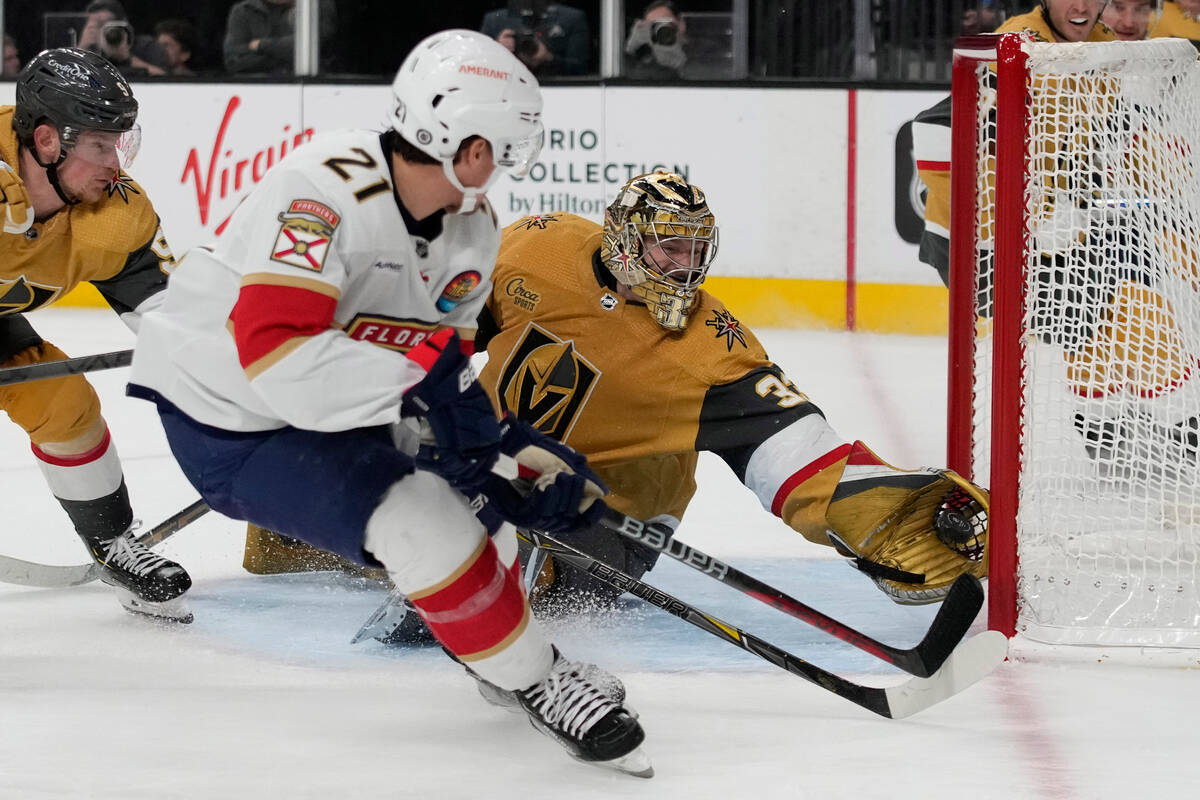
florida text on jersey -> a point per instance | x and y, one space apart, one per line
320 272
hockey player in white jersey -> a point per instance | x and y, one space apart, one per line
342 297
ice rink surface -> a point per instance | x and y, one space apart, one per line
263 697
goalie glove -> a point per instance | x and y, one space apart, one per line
913 532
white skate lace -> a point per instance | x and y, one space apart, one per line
567 701
135 558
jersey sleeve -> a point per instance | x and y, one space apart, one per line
297 359
138 287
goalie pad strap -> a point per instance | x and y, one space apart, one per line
873 568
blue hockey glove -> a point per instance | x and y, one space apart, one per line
458 411
564 495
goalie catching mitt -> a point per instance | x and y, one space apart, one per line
913 532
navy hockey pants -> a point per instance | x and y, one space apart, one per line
310 485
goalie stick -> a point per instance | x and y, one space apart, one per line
66 366
951 623
967 664
48 576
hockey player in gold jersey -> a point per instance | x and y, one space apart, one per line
1180 18
1119 332
1050 21
72 215
601 336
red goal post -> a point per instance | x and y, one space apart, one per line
1074 386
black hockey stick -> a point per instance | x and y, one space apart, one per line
66 366
953 619
48 576
971 661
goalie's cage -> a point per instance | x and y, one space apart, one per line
1074 332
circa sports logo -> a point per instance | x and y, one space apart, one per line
522 297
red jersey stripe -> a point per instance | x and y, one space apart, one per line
267 316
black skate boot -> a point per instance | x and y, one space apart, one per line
566 706
610 685
146 583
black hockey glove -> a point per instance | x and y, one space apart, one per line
563 494
458 411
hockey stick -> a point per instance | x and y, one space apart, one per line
66 366
47 576
970 661
953 619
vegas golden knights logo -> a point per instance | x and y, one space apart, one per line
546 383
20 295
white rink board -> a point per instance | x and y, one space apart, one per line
773 161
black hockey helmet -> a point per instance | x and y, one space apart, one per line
74 90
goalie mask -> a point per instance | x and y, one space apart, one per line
659 240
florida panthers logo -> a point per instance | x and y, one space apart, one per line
546 383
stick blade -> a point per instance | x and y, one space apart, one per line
971 661
46 576
951 624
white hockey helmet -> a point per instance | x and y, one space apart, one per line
459 83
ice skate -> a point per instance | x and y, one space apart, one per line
569 708
610 685
146 583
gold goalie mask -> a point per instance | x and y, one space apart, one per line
659 240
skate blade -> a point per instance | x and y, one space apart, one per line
175 610
635 763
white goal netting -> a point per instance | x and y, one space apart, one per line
1108 518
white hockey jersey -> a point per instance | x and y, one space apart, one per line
300 313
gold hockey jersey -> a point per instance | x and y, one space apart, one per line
567 354
931 148
115 244
1176 22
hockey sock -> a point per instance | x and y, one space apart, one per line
91 488
438 555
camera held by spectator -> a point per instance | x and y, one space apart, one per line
116 41
664 32
549 38
655 46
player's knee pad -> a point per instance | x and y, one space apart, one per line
422 531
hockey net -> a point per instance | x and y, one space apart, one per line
1075 331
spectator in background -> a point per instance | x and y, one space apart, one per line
260 36
549 38
654 49
1181 19
109 33
1130 20
984 17
12 57
179 40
